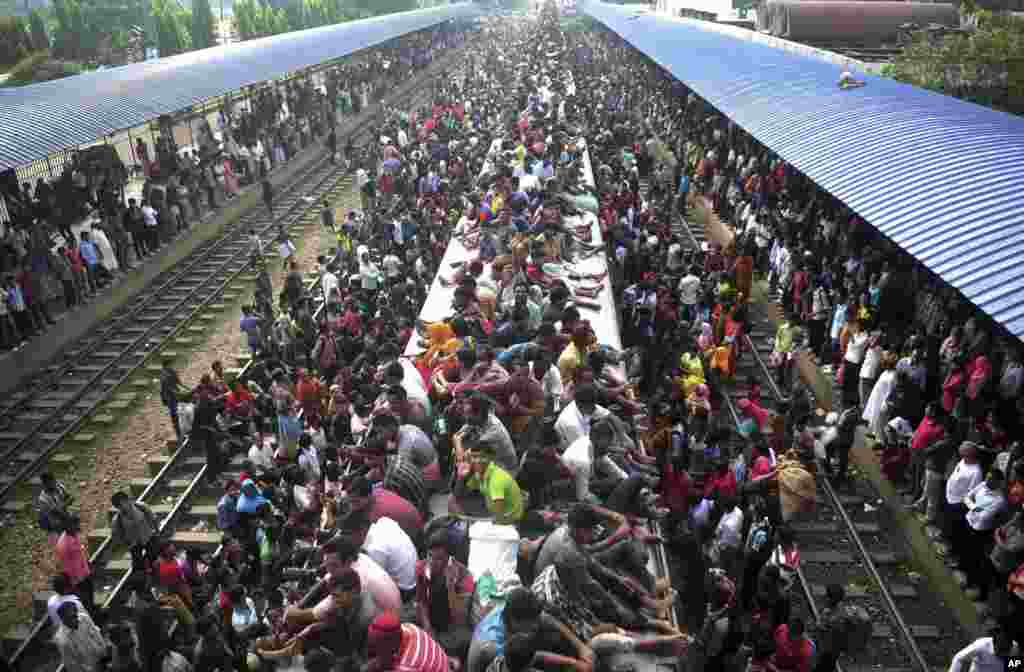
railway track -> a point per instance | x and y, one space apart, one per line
177 491
851 540
67 396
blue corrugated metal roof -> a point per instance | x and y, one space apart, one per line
40 119
939 176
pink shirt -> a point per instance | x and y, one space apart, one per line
376 581
71 558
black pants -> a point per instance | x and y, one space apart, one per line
826 662
86 592
975 562
955 524
141 245
70 299
816 336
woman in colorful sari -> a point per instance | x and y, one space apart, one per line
442 340
230 179
733 328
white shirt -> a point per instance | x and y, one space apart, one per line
362 177
391 548
571 424
730 528
855 348
872 360
988 505
148 215
688 288
330 284
962 481
551 383
981 655
579 458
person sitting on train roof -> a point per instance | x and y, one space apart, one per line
384 542
481 473
521 615
444 592
484 428
576 418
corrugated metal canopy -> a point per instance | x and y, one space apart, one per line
939 176
40 119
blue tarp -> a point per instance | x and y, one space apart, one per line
40 119
939 176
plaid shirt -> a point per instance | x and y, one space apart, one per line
573 612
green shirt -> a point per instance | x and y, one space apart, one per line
499 485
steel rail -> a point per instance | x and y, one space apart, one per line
235 236
868 562
34 464
153 294
37 388
97 558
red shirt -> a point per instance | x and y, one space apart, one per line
388 504
927 433
725 483
792 656
675 486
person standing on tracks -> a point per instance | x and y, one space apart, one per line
73 562
134 526
150 227
268 195
332 146
81 644
170 389
53 505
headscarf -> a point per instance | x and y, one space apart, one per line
250 500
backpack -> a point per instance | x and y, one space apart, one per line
760 536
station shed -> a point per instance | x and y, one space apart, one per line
937 176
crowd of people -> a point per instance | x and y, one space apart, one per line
66 240
481 490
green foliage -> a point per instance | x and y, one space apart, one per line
41 67
255 18
378 7
15 41
37 29
203 27
983 66
172 27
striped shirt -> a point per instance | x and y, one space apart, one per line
406 479
419 652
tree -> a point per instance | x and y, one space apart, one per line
203 27
14 40
982 65
378 7
37 28
172 21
